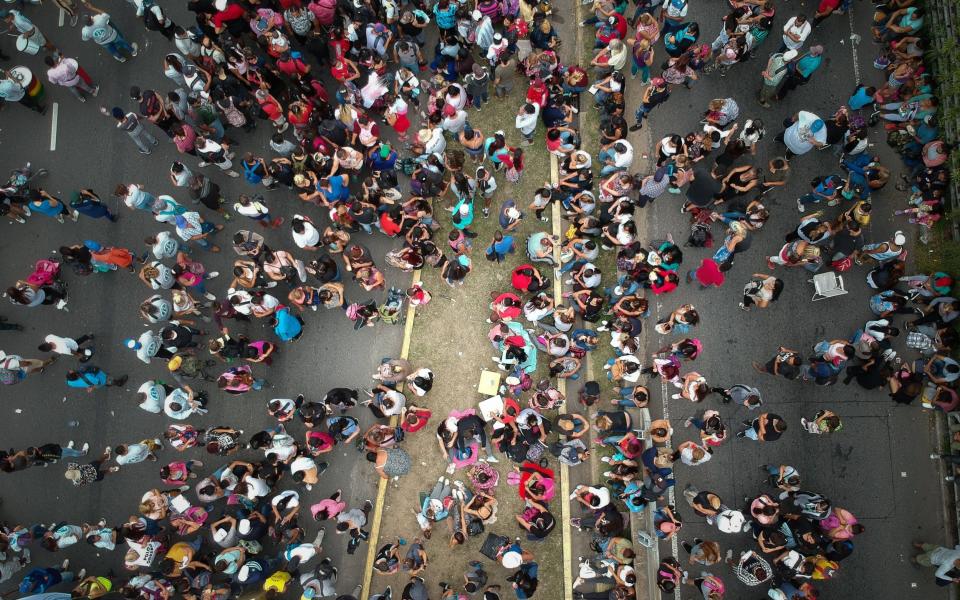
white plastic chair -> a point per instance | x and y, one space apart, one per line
827 285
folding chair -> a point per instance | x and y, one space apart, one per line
827 285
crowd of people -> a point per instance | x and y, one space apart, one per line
368 105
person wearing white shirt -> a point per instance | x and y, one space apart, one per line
163 245
68 346
305 235
617 156
672 14
807 132
526 121
180 404
152 396
795 33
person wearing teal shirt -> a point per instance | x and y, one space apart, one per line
91 378
287 326
801 71
463 216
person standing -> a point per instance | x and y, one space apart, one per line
27 30
795 33
65 72
91 378
804 132
656 93
802 71
130 123
68 346
768 427
773 74
526 121
11 90
88 203
104 33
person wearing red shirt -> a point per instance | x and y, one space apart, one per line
299 116
615 28
273 110
344 70
527 278
537 93
230 15
292 65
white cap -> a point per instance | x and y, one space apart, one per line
219 535
243 573
477 15
243 526
511 559
899 238
790 55
512 212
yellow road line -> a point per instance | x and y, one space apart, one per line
382 486
562 388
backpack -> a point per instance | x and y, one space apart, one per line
700 236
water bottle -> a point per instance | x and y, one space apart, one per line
73 424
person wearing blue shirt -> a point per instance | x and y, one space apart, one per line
801 71
39 580
382 158
501 246
91 378
287 326
525 580
862 97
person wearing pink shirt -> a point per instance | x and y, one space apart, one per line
66 72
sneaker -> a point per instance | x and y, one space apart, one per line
213 274
492 459
96 90
81 99
85 448
70 445
934 456
741 434
636 127
136 49
119 59
81 574
74 19
800 207
803 423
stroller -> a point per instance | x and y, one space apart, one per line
46 278
390 311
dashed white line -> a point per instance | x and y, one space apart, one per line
61 17
854 42
53 127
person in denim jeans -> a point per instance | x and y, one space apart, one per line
99 29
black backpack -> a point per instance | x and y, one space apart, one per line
700 236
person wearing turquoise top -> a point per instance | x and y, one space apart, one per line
801 71
463 216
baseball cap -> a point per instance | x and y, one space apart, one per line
511 559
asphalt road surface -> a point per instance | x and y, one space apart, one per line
877 467
82 148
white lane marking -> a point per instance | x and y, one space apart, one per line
53 127
854 42
60 18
